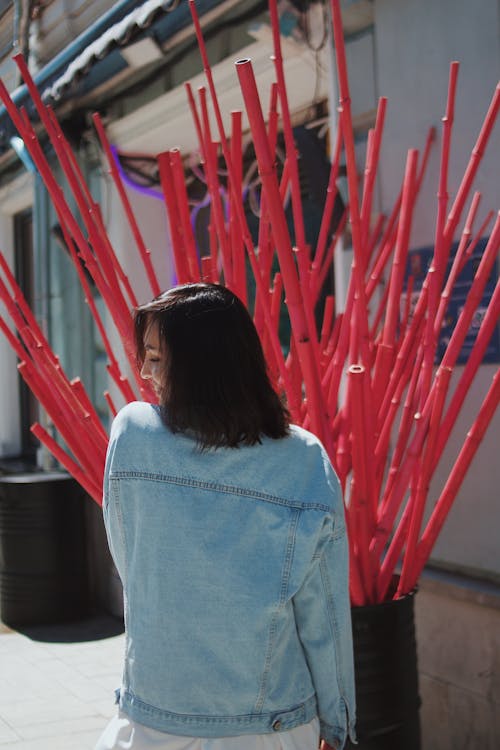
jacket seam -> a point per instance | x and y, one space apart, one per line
224 488
127 696
333 624
121 525
285 578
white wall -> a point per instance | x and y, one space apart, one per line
17 196
415 42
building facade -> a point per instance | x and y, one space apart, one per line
129 61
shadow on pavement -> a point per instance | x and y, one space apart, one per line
94 628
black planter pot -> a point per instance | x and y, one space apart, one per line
43 576
385 660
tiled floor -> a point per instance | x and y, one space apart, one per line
57 684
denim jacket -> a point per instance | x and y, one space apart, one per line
234 567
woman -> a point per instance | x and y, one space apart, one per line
226 525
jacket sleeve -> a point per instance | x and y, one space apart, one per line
112 513
323 616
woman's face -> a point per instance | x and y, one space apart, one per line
153 367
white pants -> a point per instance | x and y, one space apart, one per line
124 734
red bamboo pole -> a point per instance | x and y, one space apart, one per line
13 311
331 194
214 189
456 477
402 242
371 169
52 383
375 236
437 269
189 242
463 254
56 388
79 442
390 509
173 213
111 404
385 353
489 324
118 310
404 349
236 240
196 118
291 150
144 252
418 505
410 379
386 248
388 238
293 403
88 210
388 515
265 240
90 487
486 330
17 298
82 396
333 375
407 309
327 263
89 299
429 142
295 378
473 243
302 334
13 340
360 503
333 341
473 298
122 383
473 165
358 266
72 159
326 325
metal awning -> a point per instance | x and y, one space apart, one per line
118 34
150 15
94 56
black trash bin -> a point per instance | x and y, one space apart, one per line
43 571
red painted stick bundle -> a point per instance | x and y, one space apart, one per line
364 380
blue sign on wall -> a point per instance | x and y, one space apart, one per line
418 265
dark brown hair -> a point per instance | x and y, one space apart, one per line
215 380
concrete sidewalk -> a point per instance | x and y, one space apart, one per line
57 683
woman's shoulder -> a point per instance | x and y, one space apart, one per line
306 441
136 415
310 453
304 436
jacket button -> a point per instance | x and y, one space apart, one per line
277 725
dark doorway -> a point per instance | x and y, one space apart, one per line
24 270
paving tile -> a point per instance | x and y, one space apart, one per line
81 741
44 710
57 683
7 734
62 727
